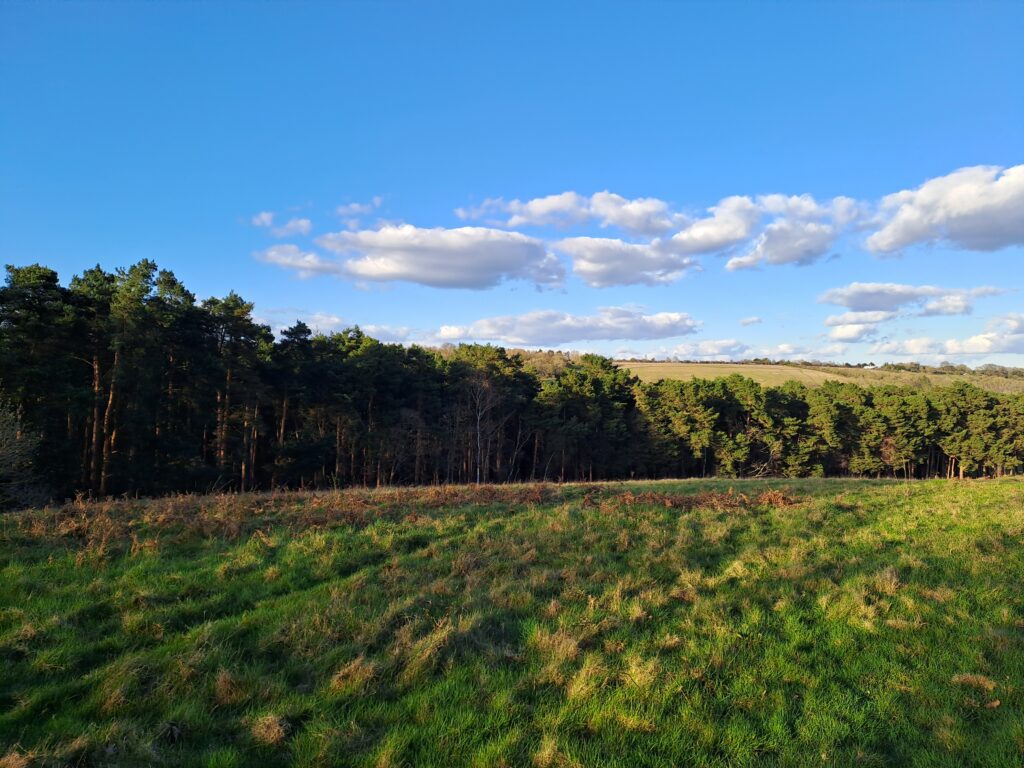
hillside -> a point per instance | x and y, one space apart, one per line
698 623
815 375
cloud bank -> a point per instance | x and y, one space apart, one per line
466 257
553 328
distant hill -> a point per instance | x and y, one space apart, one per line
992 378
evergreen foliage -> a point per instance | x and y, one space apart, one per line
129 385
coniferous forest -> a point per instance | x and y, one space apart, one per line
123 383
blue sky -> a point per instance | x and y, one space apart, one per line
633 178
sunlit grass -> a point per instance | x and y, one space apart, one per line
769 375
676 623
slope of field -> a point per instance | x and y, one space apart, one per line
698 623
815 375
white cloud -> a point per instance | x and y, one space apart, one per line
980 208
324 322
731 222
831 350
564 208
602 261
874 303
716 349
465 257
351 213
1004 334
642 215
785 241
890 297
280 318
860 318
306 264
920 346
359 209
795 206
388 333
293 227
553 328
263 219
850 332
951 304
752 320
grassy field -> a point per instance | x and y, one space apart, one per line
696 623
815 375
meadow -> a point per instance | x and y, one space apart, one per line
698 623
774 375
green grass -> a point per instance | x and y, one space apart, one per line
659 624
816 375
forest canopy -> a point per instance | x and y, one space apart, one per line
123 383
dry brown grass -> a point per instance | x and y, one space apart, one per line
548 755
640 673
227 690
15 759
588 678
717 500
355 676
423 653
973 680
635 724
558 646
886 582
270 730
94 527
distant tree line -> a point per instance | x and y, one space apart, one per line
121 382
990 369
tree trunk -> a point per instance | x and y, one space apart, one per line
97 396
108 418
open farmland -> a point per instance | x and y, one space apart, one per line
702 623
770 375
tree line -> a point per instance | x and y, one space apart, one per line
122 382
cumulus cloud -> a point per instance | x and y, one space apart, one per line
918 347
553 328
388 333
263 219
980 208
856 326
787 242
874 303
890 297
1005 334
803 231
860 318
731 222
850 332
304 263
567 207
752 320
604 261
950 304
465 257
642 215
712 349
293 227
